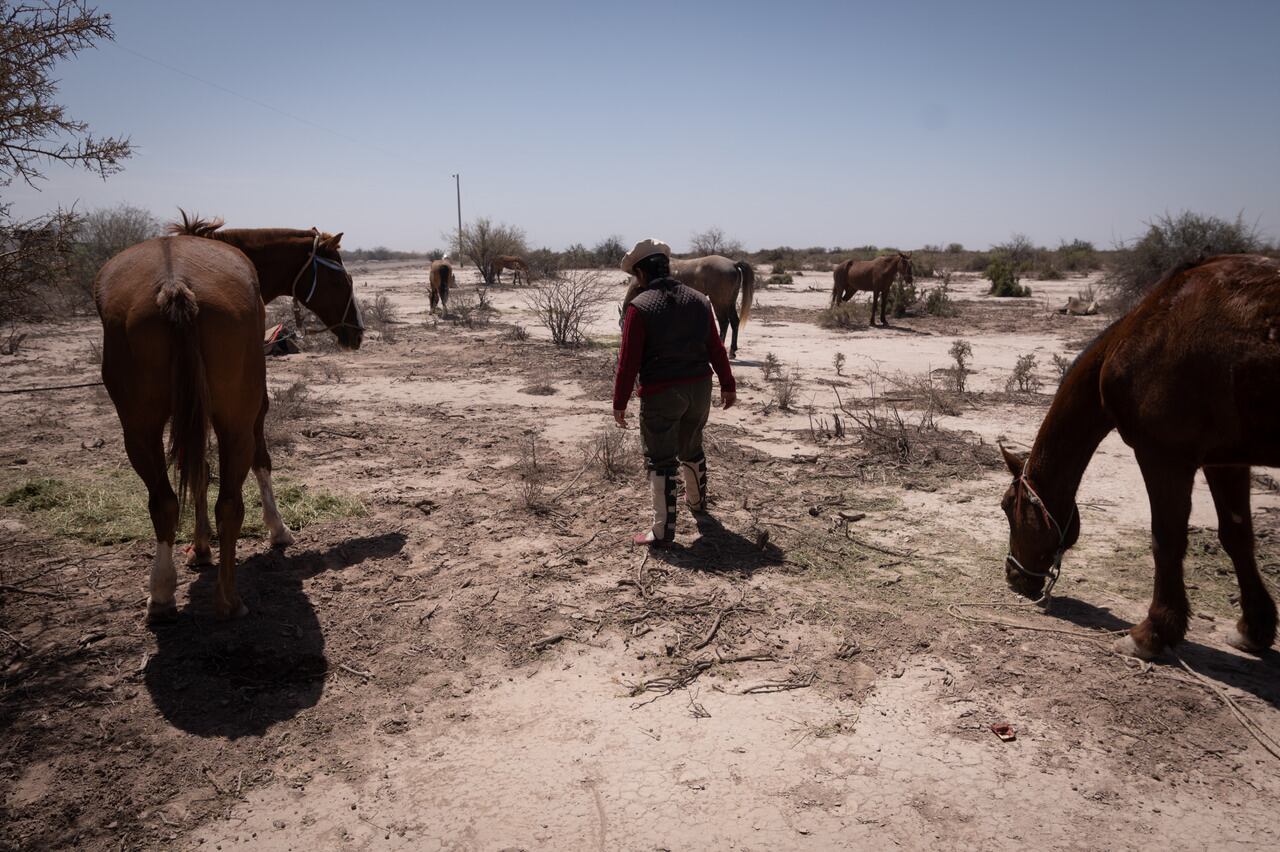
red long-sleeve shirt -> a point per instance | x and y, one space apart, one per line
632 351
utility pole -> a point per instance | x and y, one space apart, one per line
457 182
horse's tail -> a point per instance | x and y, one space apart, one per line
839 277
189 423
747 276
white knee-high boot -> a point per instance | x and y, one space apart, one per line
663 487
694 474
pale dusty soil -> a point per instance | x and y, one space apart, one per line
388 689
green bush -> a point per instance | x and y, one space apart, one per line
902 297
776 281
1003 274
1171 241
939 302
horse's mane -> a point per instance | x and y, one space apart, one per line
194 226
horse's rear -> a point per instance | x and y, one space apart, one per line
441 280
720 280
182 326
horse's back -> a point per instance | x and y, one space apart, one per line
1198 361
715 276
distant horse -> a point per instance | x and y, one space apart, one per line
719 279
441 280
874 275
1191 380
508 261
182 327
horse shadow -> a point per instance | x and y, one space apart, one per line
237 678
902 329
720 550
1258 675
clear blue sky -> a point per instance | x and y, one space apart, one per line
784 123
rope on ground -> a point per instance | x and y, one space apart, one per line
51 388
954 610
1246 721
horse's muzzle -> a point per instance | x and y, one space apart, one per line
349 337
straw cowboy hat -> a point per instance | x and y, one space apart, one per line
643 249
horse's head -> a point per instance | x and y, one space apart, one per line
904 266
1037 536
325 287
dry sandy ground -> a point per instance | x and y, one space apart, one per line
456 671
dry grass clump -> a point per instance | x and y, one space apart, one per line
614 452
533 477
845 316
381 315
288 404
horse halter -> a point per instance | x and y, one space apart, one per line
314 262
1055 569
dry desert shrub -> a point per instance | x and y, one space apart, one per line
533 477
566 305
381 315
613 451
1024 378
845 316
786 389
288 404
962 353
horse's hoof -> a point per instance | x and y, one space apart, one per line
236 610
159 611
1241 642
281 537
200 560
1128 647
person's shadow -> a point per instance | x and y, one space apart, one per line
1258 675
719 549
237 678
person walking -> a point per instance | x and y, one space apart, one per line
669 340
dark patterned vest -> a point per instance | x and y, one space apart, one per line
677 320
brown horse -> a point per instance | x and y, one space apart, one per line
719 279
182 326
1191 379
441 280
508 261
874 275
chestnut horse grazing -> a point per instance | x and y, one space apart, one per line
720 280
182 326
874 275
1191 380
508 261
441 279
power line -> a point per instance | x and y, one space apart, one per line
269 107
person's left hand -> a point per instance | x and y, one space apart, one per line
620 417
728 399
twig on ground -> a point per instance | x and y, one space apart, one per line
547 641
15 640
356 672
781 685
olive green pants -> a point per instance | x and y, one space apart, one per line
671 423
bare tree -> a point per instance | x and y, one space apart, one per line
609 252
104 233
714 241
35 130
482 241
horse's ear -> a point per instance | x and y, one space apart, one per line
331 242
1013 461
